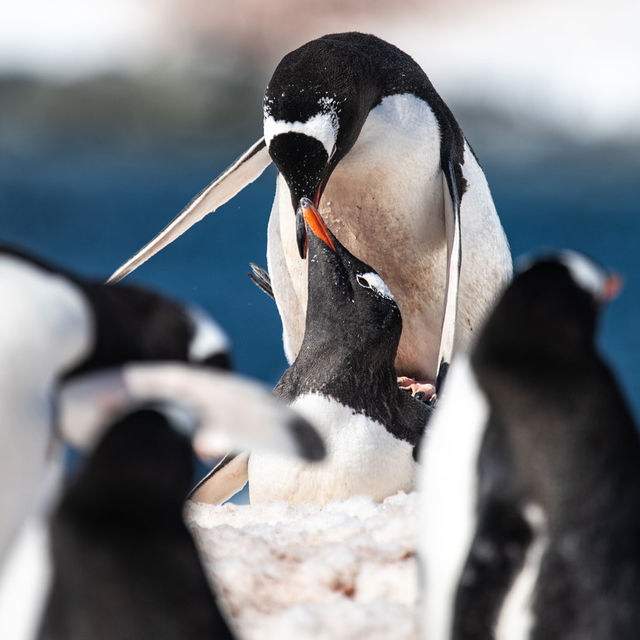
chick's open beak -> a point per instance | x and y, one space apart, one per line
307 217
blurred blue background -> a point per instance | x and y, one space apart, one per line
99 150
90 209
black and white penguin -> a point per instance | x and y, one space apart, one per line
55 325
343 380
354 125
123 563
531 485
111 558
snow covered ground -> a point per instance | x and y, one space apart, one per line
338 571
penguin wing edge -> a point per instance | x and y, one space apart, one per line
247 168
451 198
214 403
223 481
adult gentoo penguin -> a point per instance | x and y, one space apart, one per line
114 559
344 380
532 473
55 325
354 125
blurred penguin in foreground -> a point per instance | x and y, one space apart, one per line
122 561
531 485
58 337
54 326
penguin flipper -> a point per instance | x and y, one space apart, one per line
242 172
223 481
214 400
261 278
451 198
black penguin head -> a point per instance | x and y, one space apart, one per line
140 471
348 301
131 323
551 307
314 107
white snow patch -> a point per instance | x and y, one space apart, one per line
346 569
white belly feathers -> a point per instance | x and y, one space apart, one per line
384 202
362 458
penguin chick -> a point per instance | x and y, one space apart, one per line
344 380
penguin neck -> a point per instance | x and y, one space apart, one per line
344 331
352 377
328 357
337 345
337 359
560 334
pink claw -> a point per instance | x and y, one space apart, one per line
413 385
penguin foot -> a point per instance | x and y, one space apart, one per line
423 391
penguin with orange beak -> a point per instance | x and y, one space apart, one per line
354 126
344 379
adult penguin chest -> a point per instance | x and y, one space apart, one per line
384 202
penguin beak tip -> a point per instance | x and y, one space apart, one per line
301 232
612 287
307 217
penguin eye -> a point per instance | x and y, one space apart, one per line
374 282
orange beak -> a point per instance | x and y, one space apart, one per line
612 287
315 224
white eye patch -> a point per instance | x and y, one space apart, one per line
323 127
374 282
585 273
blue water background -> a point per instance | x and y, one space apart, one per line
90 208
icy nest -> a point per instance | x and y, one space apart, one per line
337 571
